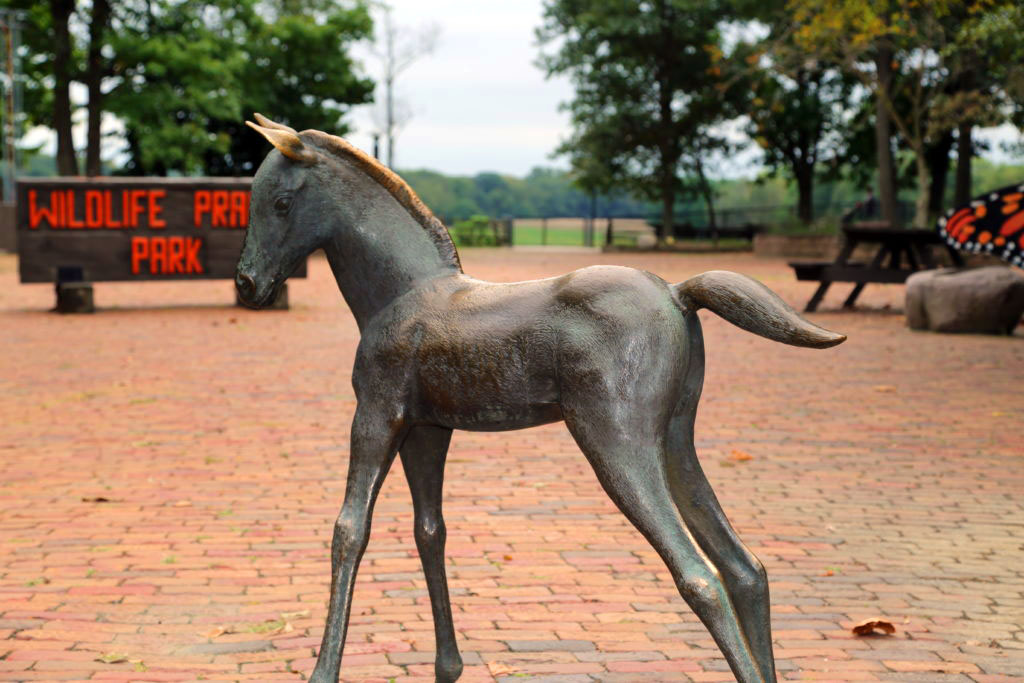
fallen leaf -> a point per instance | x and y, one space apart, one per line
111 658
270 627
740 456
828 572
97 499
873 627
301 614
219 631
508 557
498 669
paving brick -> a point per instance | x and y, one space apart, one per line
884 481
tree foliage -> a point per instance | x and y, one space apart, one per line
797 109
181 75
646 77
925 62
544 192
298 71
175 70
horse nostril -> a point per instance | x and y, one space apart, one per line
245 285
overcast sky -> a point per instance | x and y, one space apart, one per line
477 102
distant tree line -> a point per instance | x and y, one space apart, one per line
548 192
544 192
875 90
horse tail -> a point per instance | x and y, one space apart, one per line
747 303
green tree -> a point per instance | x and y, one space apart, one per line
176 71
914 57
987 60
182 74
49 65
797 109
594 169
104 45
296 68
645 76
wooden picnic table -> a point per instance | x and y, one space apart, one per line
900 252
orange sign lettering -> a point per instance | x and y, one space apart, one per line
166 255
225 208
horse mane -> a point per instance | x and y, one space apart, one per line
395 186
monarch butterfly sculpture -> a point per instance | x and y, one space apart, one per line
992 223
616 353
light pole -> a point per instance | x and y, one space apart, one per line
10 25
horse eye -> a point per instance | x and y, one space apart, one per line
282 204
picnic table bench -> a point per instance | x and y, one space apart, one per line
900 252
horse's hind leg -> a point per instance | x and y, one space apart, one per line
627 450
423 455
742 572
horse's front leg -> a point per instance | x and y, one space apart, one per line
375 438
423 456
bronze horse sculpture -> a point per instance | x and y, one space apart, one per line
616 353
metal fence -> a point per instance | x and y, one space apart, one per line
735 222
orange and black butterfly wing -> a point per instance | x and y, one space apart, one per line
992 223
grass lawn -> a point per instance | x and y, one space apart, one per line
529 234
526 233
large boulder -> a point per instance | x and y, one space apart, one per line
988 300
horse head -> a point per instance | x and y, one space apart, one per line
316 190
282 230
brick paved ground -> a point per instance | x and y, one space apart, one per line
170 469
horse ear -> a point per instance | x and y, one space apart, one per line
287 143
267 123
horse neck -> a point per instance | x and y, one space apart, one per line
383 256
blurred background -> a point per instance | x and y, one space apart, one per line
561 122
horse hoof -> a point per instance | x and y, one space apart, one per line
448 671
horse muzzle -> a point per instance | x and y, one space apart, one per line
250 294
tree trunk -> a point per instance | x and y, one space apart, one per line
588 237
389 85
924 182
61 11
389 126
94 83
938 165
709 199
805 194
669 143
964 154
883 137
668 201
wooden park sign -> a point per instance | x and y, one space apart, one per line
117 229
